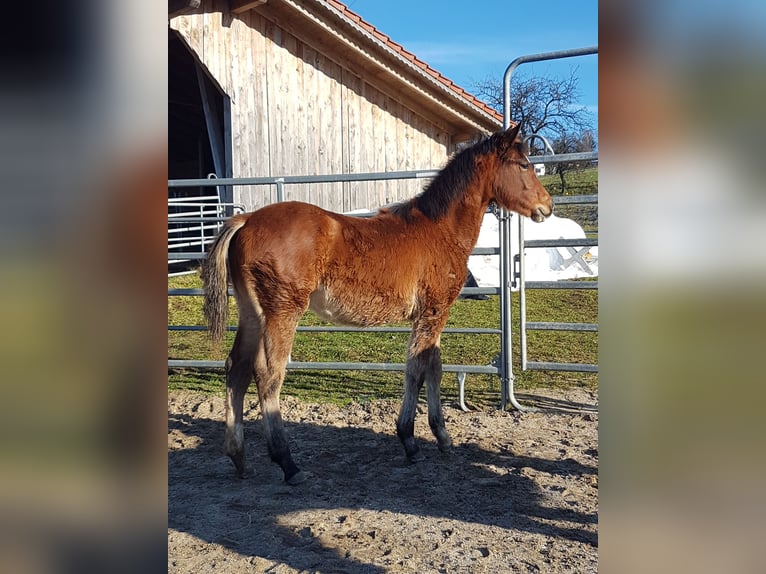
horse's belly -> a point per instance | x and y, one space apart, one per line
361 309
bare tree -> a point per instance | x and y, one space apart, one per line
547 107
544 106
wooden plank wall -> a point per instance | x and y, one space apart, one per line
296 112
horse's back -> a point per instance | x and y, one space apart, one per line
351 270
287 218
289 231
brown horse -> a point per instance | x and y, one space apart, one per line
405 263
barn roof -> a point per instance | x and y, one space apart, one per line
378 59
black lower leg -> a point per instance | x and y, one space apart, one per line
405 430
443 439
238 459
280 454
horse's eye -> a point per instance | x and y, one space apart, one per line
524 165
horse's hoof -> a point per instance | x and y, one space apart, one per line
445 445
239 465
412 449
416 457
296 479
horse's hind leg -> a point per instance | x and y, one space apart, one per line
405 424
270 366
239 374
423 365
433 377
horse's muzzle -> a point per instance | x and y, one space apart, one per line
540 214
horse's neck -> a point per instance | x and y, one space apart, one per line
466 217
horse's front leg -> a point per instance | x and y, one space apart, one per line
424 364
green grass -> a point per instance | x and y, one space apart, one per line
579 182
342 387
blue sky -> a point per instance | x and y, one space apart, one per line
470 41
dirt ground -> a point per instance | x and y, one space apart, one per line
518 492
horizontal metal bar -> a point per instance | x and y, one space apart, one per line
290 179
583 242
188 292
480 291
339 329
485 251
193 228
564 157
352 177
213 204
193 240
196 200
172 219
196 214
186 255
572 367
196 228
561 284
574 199
310 366
209 232
554 326
182 241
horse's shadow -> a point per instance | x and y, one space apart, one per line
350 468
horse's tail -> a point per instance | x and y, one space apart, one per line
214 279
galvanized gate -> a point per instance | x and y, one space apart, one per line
518 273
195 216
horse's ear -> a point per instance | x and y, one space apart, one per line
512 132
506 139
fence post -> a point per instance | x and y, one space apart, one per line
506 354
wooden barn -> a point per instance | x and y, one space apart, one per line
306 87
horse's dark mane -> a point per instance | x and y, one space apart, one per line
449 185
